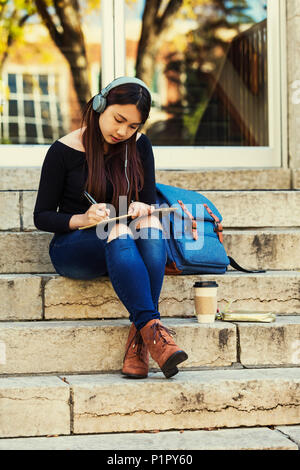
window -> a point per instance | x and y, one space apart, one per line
216 71
32 113
212 70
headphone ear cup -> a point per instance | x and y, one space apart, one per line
99 103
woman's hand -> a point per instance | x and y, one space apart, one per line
139 209
95 214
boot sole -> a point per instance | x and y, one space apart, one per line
169 368
135 376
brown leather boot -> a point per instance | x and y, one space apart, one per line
162 347
136 359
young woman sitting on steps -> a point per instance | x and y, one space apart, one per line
109 158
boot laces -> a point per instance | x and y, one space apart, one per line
137 344
157 331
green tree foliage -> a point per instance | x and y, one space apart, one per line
13 16
63 20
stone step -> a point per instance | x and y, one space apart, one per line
53 297
218 439
296 178
271 249
109 403
63 345
246 209
39 406
27 178
239 209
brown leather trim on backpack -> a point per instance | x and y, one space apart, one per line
172 269
218 226
194 222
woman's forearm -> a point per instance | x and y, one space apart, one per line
76 221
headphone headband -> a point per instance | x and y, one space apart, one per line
99 101
123 81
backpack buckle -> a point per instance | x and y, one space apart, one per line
194 229
218 228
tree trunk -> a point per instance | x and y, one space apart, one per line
76 58
70 41
153 27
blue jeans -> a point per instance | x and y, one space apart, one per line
135 267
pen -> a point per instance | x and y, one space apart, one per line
89 198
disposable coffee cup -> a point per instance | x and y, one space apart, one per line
205 297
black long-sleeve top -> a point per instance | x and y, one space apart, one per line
62 181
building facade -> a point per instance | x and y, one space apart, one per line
224 81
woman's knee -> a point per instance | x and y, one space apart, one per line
149 221
117 230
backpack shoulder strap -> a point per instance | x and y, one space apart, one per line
235 265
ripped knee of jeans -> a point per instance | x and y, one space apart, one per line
150 233
118 231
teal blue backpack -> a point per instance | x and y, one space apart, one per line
193 233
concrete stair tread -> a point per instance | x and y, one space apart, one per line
124 322
272 249
269 272
262 230
50 296
27 178
60 346
233 273
259 438
105 403
240 209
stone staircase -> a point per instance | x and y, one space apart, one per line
62 341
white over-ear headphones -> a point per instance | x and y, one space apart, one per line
99 103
